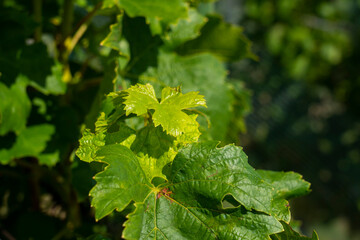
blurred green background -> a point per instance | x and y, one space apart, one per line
305 102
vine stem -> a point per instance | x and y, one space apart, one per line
67 19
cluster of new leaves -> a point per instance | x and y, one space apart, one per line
172 43
181 188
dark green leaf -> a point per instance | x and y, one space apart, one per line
152 141
222 39
290 234
185 29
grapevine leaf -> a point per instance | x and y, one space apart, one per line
152 167
189 205
192 132
165 218
14 106
287 185
152 141
122 181
122 133
185 29
168 113
244 184
140 99
167 11
222 39
290 234
154 149
30 143
193 73
144 45
89 144
113 39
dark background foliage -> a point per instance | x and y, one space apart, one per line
305 100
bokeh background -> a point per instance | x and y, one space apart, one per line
305 113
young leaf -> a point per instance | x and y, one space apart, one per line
91 142
140 99
168 113
202 72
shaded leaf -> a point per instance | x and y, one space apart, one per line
290 234
220 38
113 39
185 29
152 141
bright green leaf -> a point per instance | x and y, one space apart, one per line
167 11
122 181
140 99
287 185
202 72
168 113
91 142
